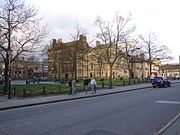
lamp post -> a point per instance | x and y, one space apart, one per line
9 75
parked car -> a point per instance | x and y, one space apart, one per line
160 82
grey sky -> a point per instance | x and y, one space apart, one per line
159 16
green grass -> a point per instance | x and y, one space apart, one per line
38 89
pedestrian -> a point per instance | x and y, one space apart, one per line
86 81
70 87
73 86
93 85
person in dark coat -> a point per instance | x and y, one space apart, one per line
70 87
86 81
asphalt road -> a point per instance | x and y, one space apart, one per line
142 112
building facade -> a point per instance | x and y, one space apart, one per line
68 60
22 69
171 71
77 60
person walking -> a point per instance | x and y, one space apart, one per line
93 85
86 81
73 86
70 87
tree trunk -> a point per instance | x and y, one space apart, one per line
100 70
130 68
150 69
87 69
75 68
110 77
6 76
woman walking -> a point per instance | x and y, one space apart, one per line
73 86
93 85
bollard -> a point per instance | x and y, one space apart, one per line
24 92
44 90
139 80
59 89
129 82
14 91
102 82
123 82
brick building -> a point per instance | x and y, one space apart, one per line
68 60
170 70
76 59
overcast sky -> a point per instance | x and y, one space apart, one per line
159 16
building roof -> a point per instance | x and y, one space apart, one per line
169 66
59 44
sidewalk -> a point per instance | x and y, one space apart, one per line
16 102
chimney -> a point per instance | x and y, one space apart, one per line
82 38
54 41
59 40
97 43
141 56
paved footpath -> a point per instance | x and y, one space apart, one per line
16 102
5 103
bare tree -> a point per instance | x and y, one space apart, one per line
20 31
131 50
79 48
153 50
98 56
44 51
66 58
111 34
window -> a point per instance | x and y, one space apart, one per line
92 66
79 70
91 74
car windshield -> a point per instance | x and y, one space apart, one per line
157 78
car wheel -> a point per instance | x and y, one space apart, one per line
164 85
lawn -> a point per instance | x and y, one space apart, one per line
43 89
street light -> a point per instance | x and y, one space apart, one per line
9 75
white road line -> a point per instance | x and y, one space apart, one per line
2 129
168 125
14 126
168 102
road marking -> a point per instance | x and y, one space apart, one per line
162 130
3 129
14 126
168 102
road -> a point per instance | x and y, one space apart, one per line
142 112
